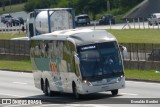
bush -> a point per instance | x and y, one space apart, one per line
118 13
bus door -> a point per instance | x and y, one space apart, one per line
75 73
68 57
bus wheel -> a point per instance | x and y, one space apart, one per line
75 93
114 92
42 86
47 89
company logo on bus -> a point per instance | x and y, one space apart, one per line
88 47
53 68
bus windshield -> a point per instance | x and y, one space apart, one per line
100 60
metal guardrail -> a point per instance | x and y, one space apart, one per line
14 50
139 55
142 51
139 23
8 29
135 51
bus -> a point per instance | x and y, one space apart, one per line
78 61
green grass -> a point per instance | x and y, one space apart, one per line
8 36
123 36
137 36
134 36
16 65
25 65
142 74
14 8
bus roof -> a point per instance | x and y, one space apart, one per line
80 36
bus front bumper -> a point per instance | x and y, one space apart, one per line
89 88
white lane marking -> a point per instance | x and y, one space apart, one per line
20 83
73 105
132 94
11 95
12 105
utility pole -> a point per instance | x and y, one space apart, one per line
10 4
108 5
3 5
3 2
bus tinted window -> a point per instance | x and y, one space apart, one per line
100 59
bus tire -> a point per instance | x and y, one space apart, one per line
42 86
47 91
114 92
75 93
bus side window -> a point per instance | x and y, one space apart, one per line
67 56
74 67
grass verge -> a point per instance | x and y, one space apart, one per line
142 74
137 36
25 65
123 36
16 65
8 36
12 8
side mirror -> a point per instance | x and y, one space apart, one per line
76 58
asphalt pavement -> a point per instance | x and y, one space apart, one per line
131 25
21 85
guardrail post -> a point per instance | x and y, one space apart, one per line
139 23
148 26
145 51
143 24
134 22
110 23
130 51
94 24
137 53
19 28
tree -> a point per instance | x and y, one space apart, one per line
93 7
3 4
39 4
129 3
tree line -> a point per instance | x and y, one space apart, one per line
4 3
92 7
82 6
8 2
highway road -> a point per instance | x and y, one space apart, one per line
21 85
131 25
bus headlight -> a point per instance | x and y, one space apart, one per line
87 82
120 78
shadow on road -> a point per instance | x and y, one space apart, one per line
64 98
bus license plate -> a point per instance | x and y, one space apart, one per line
105 87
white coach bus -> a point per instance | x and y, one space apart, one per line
78 61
